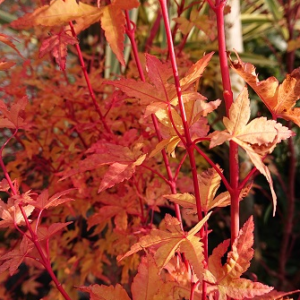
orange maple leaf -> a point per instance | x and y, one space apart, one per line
122 160
275 295
31 285
257 138
60 12
165 96
147 283
113 23
43 201
227 277
280 99
11 118
11 214
57 46
167 242
209 182
165 92
117 207
102 292
12 259
45 233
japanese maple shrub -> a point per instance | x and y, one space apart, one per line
89 163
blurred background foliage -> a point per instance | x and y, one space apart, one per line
270 33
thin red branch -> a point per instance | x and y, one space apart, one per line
228 97
87 79
171 182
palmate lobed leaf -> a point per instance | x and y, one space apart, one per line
227 277
258 131
57 46
60 12
275 295
45 233
209 181
238 259
43 201
13 259
251 137
12 117
122 160
158 74
113 23
118 172
147 283
165 99
11 214
280 99
102 292
166 243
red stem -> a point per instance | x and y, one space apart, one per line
228 97
157 173
171 182
34 239
188 143
87 79
194 286
226 183
45 260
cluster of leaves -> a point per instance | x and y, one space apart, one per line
72 132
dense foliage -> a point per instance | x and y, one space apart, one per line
129 169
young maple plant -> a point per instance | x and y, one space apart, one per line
90 164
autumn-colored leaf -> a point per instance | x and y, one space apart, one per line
31 285
5 65
162 102
113 23
58 13
257 138
147 283
202 22
11 214
114 207
56 44
279 98
102 292
44 202
209 182
14 258
238 259
169 241
4 185
227 277
275 295
165 92
11 118
45 233
122 161
118 172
